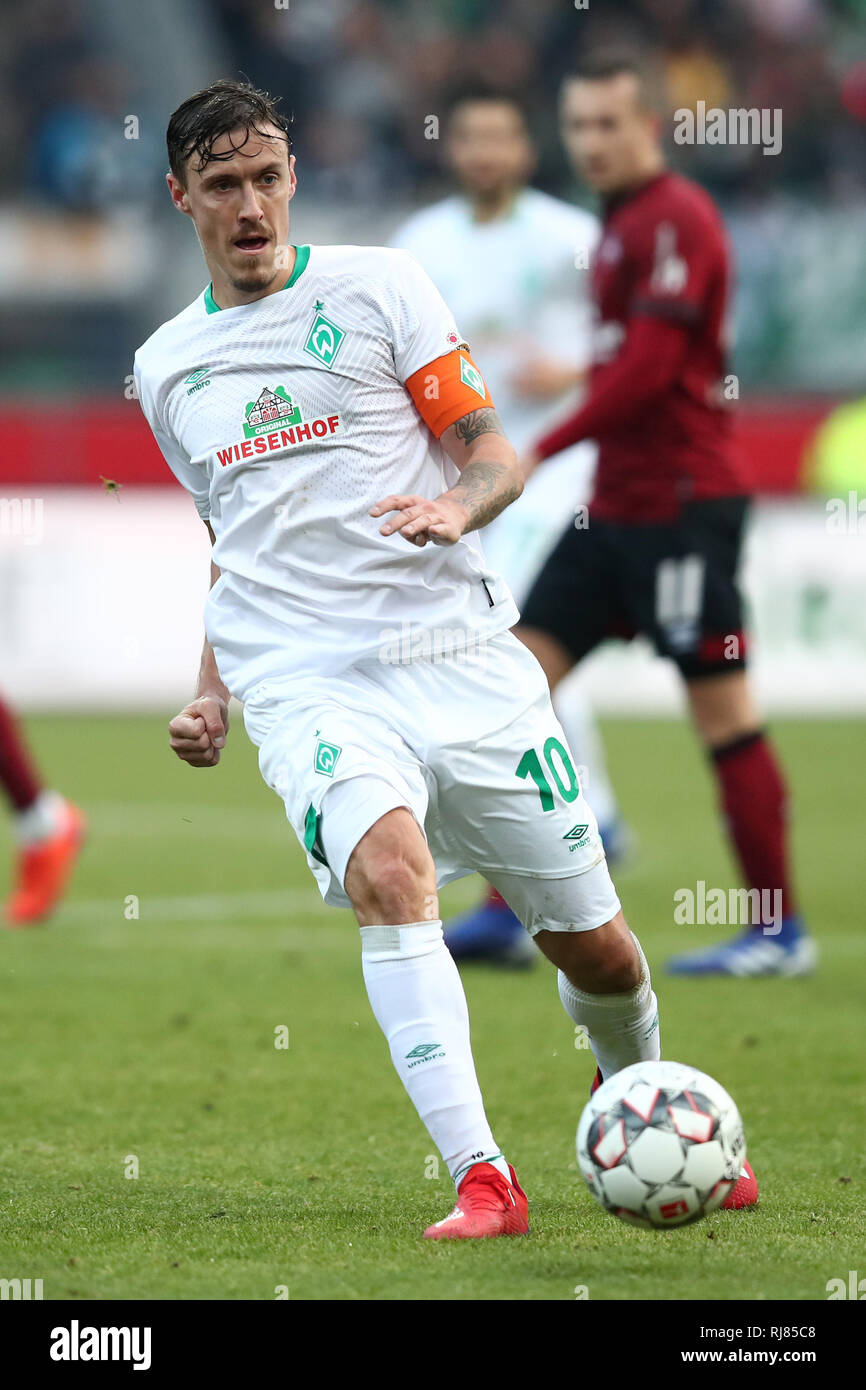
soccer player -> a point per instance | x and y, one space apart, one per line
661 551
49 830
340 444
512 264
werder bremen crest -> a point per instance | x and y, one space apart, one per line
326 756
472 377
325 339
271 408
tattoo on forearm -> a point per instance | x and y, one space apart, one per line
478 422
485 489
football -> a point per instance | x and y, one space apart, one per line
660 1144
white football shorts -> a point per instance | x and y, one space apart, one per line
469 742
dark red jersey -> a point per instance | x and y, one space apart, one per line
657 403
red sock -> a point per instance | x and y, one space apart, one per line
754 799
17 773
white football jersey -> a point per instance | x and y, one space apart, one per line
287 419
519 284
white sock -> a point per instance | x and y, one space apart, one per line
417 997
622 1028
576 715
42 818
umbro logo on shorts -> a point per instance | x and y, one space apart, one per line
577 835
576 832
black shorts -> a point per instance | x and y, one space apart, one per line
675 582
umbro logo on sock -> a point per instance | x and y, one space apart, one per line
424 1052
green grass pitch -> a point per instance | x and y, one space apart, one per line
148 1044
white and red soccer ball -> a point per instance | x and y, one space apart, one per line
660 1144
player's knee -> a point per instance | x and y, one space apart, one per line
722 708
390 877
604 961
620 971
395 889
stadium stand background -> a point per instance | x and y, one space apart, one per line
92 256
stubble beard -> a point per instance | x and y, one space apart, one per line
253 280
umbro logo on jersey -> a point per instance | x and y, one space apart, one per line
197 380
325 340
577 835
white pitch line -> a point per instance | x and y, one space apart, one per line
284 903
109 820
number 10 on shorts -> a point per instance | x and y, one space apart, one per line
561 770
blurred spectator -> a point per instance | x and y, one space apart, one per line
385 66
66 101
367 83
79 155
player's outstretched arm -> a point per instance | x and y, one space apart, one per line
490 473
198 734
490 478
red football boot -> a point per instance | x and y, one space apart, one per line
744 1193
487 1205
43 871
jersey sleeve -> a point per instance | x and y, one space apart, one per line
676 260
189 477
430 356
421 324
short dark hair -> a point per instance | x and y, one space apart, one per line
599 65
226 105
487 96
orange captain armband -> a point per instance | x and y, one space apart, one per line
448 388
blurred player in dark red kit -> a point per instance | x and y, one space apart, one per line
49 831
661 550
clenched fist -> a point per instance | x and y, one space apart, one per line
198 733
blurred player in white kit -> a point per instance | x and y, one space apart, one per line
512 262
